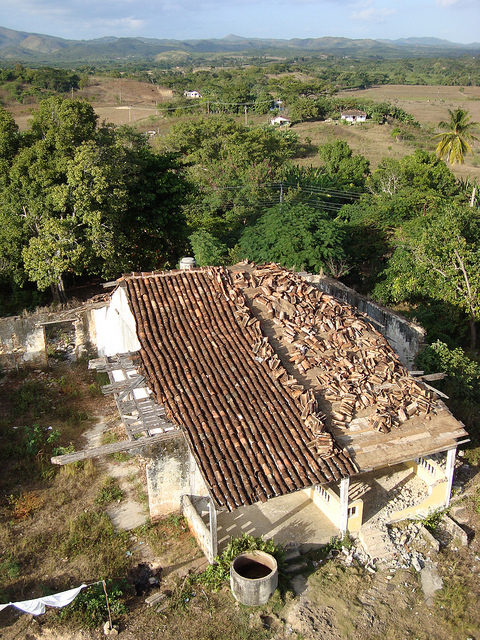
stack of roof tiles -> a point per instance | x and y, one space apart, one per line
357 371
255 432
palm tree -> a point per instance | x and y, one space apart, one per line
454 143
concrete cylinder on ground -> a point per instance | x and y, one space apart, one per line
253 577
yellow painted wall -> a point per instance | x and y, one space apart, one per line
355 522
436 500
331 508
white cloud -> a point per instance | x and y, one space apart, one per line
129 23
368 12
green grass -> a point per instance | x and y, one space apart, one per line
110 492
92 534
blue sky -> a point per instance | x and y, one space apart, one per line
455 20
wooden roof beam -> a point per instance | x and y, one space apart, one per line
115 447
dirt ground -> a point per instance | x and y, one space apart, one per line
326 599
116 100
428 104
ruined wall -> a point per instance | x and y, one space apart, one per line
168 477
22 342
404 336
199 529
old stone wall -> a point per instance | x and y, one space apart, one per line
22 342
168 477
23 338
404 336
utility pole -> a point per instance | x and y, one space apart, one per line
281 192
246 116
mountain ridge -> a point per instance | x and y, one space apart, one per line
22 46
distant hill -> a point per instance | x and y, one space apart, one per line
33 47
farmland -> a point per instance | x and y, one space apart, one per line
124 101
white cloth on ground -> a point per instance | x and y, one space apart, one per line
37 605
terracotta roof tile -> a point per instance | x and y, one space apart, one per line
245 426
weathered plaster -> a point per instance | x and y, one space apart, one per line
168 477
115 330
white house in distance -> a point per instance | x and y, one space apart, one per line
191 94
353 115
280 121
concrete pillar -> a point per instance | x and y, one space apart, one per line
192 471
451 453
213 550
344 484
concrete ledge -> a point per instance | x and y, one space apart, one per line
455 530
198 528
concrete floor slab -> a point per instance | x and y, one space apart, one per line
291 518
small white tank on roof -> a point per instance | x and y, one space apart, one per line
187 263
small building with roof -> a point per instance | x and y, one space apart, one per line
353 115
265 405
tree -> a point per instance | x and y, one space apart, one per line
454 143
83 199
438 256
295 236
349 170
207 249
231 167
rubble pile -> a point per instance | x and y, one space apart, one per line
355 367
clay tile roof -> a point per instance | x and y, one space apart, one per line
248 429
267 375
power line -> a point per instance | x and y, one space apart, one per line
213 102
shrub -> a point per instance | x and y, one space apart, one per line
433 519
218 573
89 609
23 505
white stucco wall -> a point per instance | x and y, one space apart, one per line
115 326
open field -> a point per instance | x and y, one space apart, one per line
116 100
124 101
428 104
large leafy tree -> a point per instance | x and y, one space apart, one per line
438 257
295 236
78 198
455 142
232 168
349 170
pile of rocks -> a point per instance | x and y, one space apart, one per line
405 540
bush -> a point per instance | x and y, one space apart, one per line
218 573
463 373
89 609
433 519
